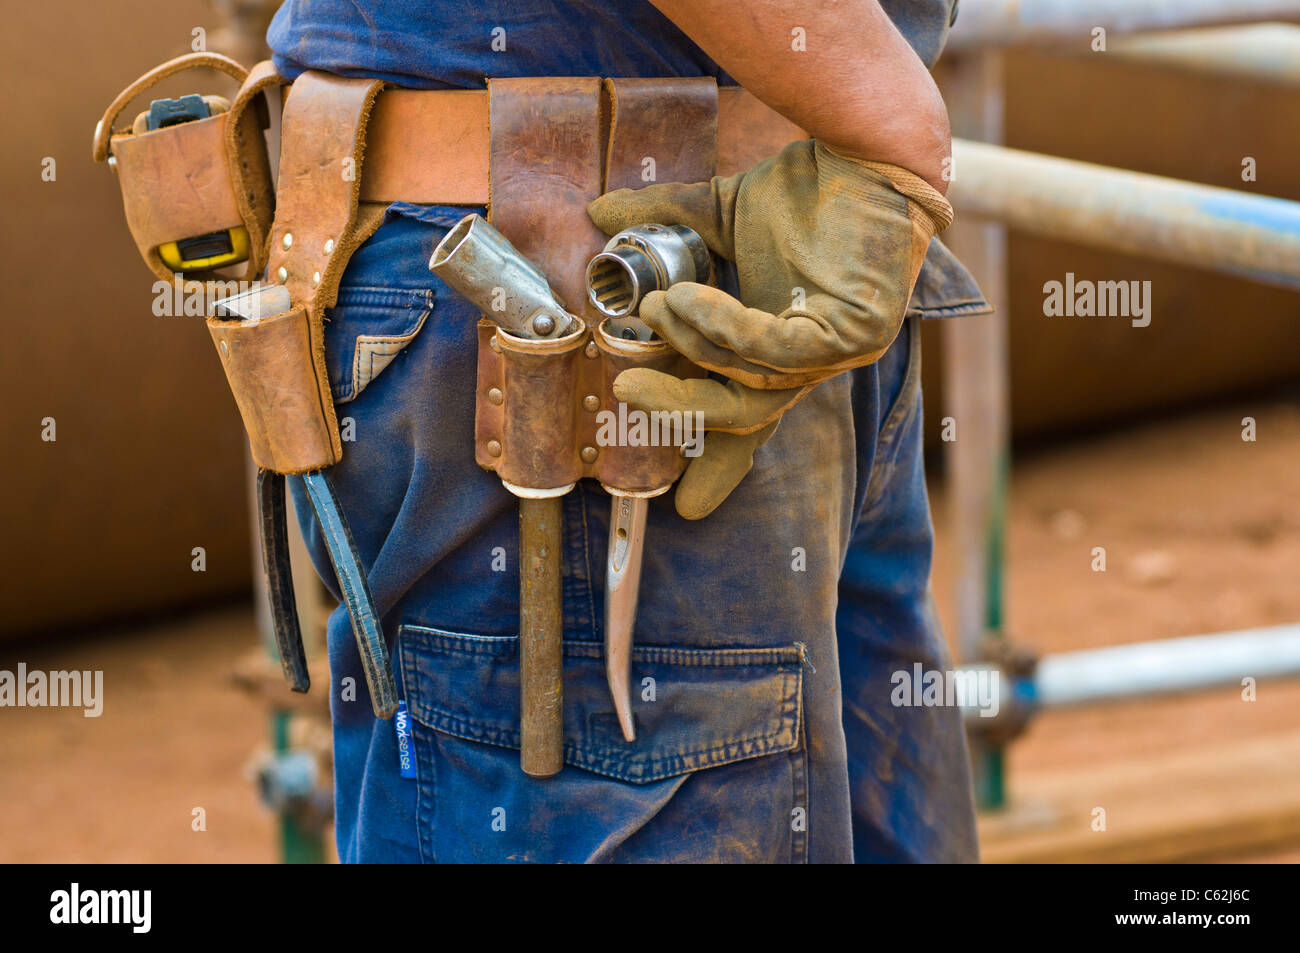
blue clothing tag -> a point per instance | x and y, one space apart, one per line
405 749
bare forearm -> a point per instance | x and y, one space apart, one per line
850 79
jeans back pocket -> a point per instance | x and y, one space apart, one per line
694 708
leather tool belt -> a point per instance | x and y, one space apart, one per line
349 148
536 151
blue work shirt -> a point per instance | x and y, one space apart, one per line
438 44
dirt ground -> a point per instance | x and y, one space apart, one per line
1202 535
1201 531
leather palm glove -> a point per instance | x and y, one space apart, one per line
827 249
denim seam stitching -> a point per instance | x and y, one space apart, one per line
491 645
376 296
901 412
954 310
382 339
667 766
903 406
788 713
799 768
423 800
586 552
388 299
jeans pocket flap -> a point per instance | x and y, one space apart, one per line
694 708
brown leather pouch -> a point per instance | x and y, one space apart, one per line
276 366
546 414
194 178
526 419
655 460
546 410
271 371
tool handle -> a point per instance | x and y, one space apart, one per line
273 528
541 651
355 591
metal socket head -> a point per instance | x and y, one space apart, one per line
479 262
643 259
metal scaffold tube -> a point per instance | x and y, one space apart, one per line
1254 236
984 23
1138 670
1259 52
975 365
1169 665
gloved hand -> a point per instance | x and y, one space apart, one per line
827 249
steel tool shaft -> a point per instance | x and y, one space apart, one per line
627 522
635 262
480 263
541 648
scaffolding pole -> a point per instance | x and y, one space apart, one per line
976 398
1151 216
988 23
1138 670
1259 52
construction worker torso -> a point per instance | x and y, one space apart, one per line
766 633
451 44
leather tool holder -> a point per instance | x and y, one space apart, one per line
272 371
213 174
276 365
542 407
196 177
540 404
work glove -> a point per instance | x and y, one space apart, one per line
827 249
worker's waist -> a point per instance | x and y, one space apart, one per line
431 147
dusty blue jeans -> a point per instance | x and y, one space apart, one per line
765 640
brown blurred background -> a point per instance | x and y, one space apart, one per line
149 462
99 526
